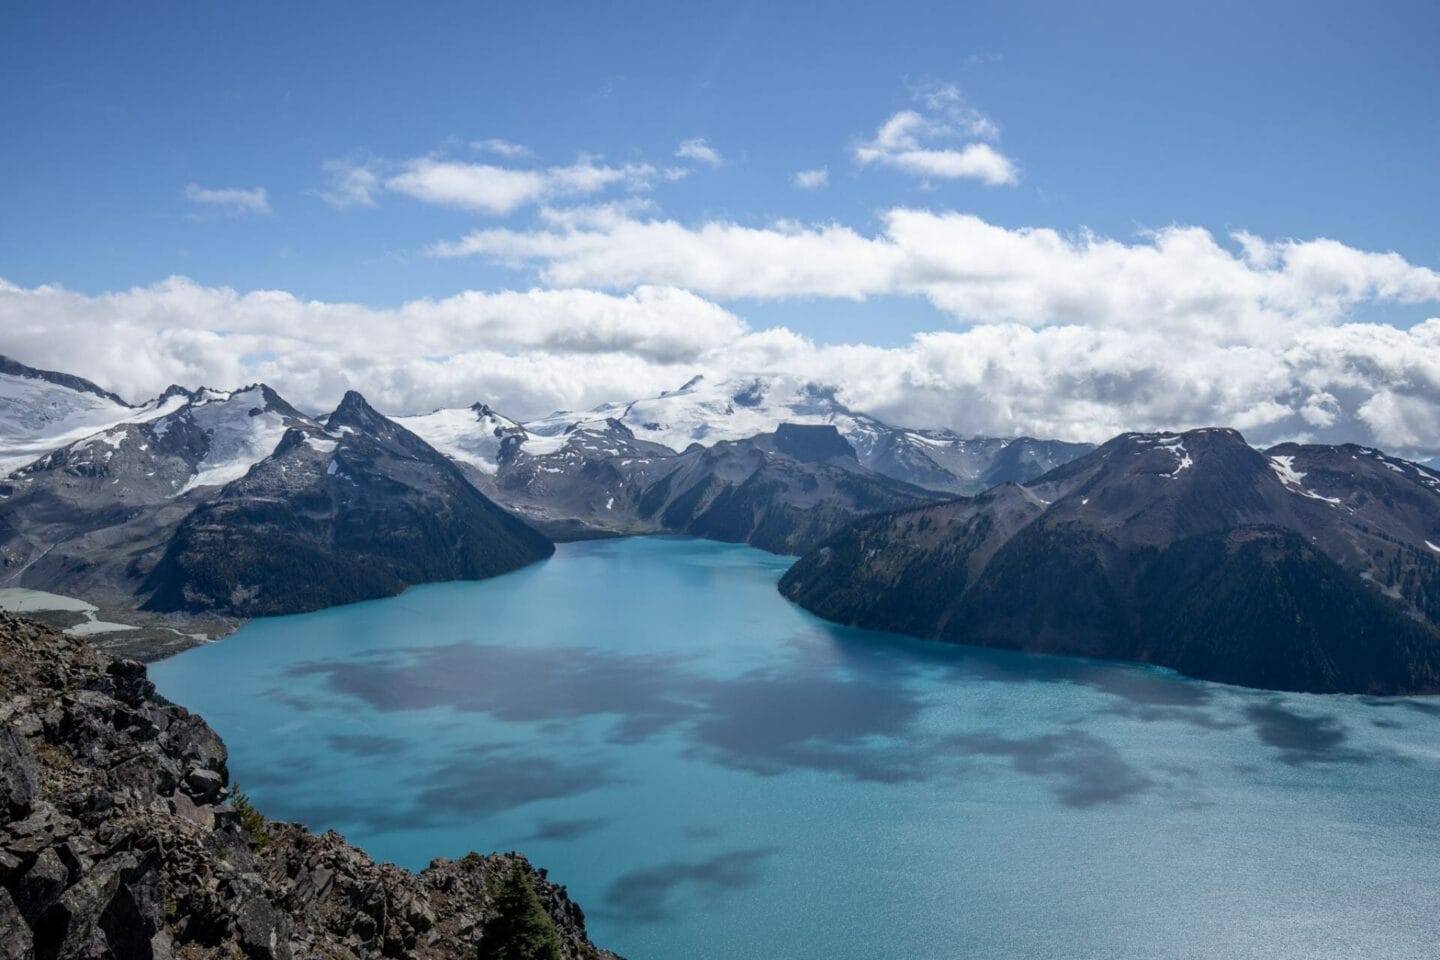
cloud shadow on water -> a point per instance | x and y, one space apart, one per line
367 744
809 712
649 895
564 830
770 723
475 783
515 684
1302 739
1081 770
764 721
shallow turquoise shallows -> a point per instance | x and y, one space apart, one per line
715 773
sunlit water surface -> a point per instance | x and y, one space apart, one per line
715 773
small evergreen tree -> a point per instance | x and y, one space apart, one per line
252 821
521 929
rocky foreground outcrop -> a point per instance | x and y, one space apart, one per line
116 840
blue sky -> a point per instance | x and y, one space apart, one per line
1140 141
1286 119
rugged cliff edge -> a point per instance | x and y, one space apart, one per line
116 841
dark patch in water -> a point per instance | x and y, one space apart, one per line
513 683
1083 771
367 744
768 724
566 829
482 781
287 699
478 782
1302 739
647 895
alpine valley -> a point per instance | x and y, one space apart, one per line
1300 567
178 518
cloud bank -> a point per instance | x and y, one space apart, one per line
1076 337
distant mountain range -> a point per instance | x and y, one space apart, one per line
1300 567
204 506
706 412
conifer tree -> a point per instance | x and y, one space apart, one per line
521 930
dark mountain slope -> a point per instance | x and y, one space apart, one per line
1192 551
91 518
781 492
361 509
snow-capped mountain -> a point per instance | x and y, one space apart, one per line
235 430
713 411
233 503
474 435
204 438
41 411
359 509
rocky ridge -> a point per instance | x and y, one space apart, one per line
116 840
1311 568
782 491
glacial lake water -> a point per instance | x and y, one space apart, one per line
716 774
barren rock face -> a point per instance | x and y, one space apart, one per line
116 840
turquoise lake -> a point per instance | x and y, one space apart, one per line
716 774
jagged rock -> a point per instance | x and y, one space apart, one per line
41 885
204 785
18 778
112 843
262 931
16 943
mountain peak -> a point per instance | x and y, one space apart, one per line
175 390
354 411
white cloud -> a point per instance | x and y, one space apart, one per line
502 148
698 150
530 352
234 201
817 179
942 140
501 190
1179 278
351 184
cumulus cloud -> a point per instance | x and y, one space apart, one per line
501 190
234 201
1179 279
944 138
574 345
817 179
530 352
698 150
